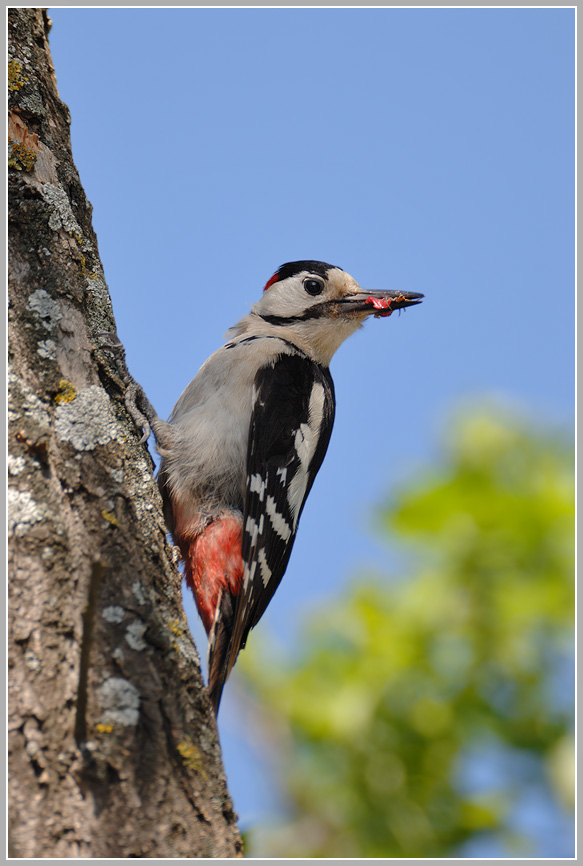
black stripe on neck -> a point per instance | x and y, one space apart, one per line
250 339
314 312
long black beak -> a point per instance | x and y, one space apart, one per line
380 303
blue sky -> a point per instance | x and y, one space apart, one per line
425 150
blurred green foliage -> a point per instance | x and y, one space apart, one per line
403 683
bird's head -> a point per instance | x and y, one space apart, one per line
322 305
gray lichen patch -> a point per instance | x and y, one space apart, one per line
61 215
16 465
24 405
134 635
138 592
140 481
98 289
114 614
46 308
24 512
116 474
32 661
120 701
47 349
35 408
88 420
100 319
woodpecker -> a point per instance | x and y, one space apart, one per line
245 440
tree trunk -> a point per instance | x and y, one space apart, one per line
113 748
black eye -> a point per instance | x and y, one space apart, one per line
313 287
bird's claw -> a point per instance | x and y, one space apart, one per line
133 394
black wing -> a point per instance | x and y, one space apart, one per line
290 430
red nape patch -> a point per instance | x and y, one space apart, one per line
271 281
214 563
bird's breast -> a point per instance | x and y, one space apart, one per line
212 419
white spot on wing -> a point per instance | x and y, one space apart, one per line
253 528
277 520
265 569
257 485
306 442
316 409
249 574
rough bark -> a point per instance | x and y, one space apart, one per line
113 748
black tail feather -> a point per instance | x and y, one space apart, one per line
220 647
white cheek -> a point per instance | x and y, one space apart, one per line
286 300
